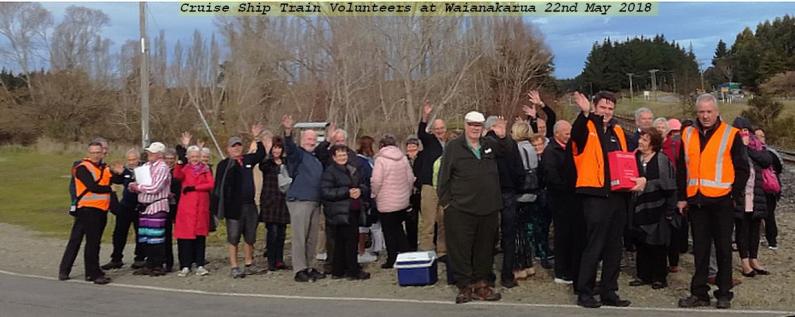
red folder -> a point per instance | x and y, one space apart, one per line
623 168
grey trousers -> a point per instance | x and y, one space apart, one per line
305 223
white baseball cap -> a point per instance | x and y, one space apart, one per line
474 116
156 147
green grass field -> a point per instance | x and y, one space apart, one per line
34 190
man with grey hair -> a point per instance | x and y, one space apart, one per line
511 176
643 119
559 177
711 174
431 215
126 215
303 200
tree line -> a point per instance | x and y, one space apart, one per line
610 63
762 60
367 74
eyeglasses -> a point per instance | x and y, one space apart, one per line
475 124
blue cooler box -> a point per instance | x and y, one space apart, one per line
416 268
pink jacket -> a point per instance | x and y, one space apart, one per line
392 180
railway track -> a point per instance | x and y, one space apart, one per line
787 155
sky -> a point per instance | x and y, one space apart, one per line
569 38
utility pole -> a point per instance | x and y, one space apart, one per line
654 82
630 86
144 77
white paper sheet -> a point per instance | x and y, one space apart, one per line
143 176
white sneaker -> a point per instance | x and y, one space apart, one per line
201 271
562 281
366 258
184 272
321 256
773 247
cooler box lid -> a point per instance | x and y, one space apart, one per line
412 260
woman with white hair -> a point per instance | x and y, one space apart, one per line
206 156
661 124
193 212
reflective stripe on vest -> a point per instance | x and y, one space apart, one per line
90 199
590 161
711 171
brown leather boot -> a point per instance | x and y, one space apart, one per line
464 295
485 292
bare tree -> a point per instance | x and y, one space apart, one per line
77 39
24 26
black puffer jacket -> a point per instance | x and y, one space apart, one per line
759 160
334 185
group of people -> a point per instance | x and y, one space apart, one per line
492 188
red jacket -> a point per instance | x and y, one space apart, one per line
193 211
670 147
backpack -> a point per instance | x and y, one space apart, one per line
530 180
770 182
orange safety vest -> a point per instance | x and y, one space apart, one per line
590 161
710 172
93 200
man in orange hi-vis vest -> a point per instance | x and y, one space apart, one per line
92 187
712 170
593 135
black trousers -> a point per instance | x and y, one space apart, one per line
394 234
274 240
470 245
508 225
89 222
651 262
191 251
346 242
712 223
155 255
569 234
605 219
125 217
168 248
679 242
748 236
540 220
771 229
412 219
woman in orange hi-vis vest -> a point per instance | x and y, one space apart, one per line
593 135
711 173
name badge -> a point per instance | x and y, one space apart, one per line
248 165
487 151
126 176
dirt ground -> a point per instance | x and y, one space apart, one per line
27 252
